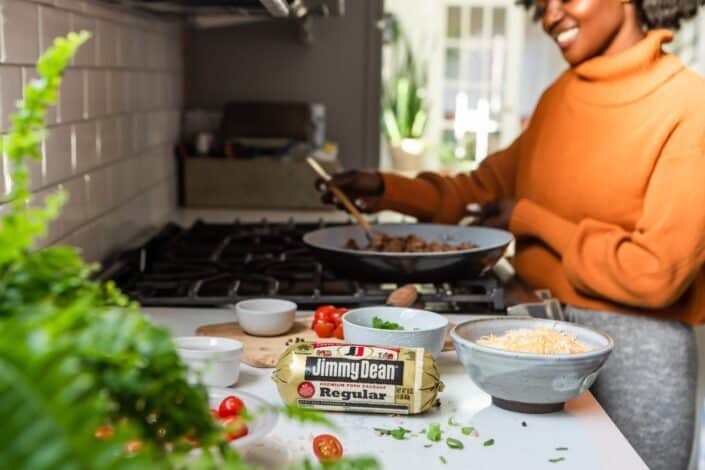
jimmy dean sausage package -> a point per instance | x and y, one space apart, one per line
350 377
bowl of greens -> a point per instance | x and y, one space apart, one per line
395 326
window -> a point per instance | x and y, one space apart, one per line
481 51
688 45
685 43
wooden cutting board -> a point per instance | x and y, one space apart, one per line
264 351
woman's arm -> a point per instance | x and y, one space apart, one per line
443 199
651 266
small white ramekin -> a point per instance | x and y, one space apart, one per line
266 317
213 361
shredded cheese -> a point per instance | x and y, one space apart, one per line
538 341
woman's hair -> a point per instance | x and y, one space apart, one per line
653 13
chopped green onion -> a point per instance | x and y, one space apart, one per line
488 442
454 443
451 422
557 459
467 431
442 459
561 448
434 432
428 445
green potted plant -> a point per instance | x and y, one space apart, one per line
86 381
404 104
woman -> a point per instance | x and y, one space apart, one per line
605 193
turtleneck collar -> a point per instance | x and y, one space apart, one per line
628 75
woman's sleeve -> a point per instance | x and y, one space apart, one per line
651 266
443 199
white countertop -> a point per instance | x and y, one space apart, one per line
592 439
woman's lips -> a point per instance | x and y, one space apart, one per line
567 37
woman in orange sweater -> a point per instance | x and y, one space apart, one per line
605 193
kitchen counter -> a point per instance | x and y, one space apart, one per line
521 441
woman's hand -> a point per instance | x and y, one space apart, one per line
496 214
362 187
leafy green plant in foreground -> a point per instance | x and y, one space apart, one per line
76 354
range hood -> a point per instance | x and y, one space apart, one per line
296 9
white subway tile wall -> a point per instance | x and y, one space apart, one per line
111 136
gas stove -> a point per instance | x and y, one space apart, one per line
216 265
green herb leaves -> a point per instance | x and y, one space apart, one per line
385 325
77 354
398 433
303 415
23 224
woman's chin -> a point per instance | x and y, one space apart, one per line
574 57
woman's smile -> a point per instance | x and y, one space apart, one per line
565 37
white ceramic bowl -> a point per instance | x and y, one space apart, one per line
266 317
259 427
527 382
422 329
215 362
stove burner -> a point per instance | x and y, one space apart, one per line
212 265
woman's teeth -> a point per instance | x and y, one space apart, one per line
565 38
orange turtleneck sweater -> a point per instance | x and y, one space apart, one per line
610 183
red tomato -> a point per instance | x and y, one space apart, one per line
336 316
104 432
230 406
133 446
323 313
339 331
235 428
324 329
327 448
192 441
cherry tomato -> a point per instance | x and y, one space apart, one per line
104 432
133 446
230 406
339 332
324 329
327 448
323 312
336 316
235 428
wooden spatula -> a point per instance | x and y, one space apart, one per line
342 197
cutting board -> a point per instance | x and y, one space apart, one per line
264 351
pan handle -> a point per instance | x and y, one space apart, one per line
549 308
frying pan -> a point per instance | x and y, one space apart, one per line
327 245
